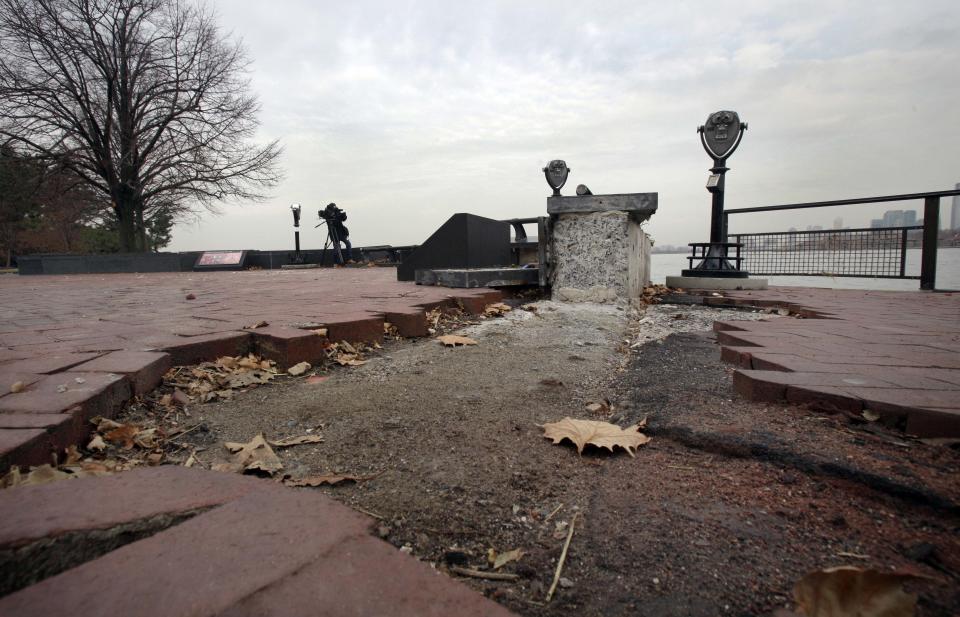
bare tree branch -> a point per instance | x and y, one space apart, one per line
145 100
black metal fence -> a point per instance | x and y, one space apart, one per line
870 253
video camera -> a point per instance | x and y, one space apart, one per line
332 214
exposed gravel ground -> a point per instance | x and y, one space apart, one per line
727 506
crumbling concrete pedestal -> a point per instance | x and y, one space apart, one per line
599 252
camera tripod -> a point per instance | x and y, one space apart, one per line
332 238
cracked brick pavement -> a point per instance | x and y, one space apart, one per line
895 354
171 542
83 345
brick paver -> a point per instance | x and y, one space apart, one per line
82 345
896 354
174 542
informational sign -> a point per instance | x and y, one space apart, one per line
226 260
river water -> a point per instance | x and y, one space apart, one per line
948 273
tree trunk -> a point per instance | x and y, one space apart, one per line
141 231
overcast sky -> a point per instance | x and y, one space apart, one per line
404 113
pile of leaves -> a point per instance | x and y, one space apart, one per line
113 447
219 379
496 309
444 320
652 293
346 354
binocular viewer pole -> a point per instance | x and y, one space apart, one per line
297 257
720 136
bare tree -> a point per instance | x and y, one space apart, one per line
146 100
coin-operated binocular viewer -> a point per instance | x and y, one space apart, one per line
720 136
297 257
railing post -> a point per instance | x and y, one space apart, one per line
928 256
903 253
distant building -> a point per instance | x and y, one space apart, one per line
814 228
896 218
955 211
838 222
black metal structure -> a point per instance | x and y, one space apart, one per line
464 241
719 136
876 243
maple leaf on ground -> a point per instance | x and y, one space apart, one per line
848 591
452 340
600 434
254 456
296 441
496 309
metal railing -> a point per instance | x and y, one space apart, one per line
871 253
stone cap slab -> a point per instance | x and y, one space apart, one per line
640 206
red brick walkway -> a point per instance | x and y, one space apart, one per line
83 345
895 354
170 541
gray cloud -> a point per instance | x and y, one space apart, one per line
406 112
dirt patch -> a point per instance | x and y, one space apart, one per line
698 523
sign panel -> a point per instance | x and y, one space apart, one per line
220 260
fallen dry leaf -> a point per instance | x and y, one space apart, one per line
320 331
37 475
849 591
496 309
296 441
331 479
166 400
601 408
600 434
870 416
97 444
249 378
254 456
72 455
251 362
299 369
123 435
146 439
504 558
17 386
349 359
452 340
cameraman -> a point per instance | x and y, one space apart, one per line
335 217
